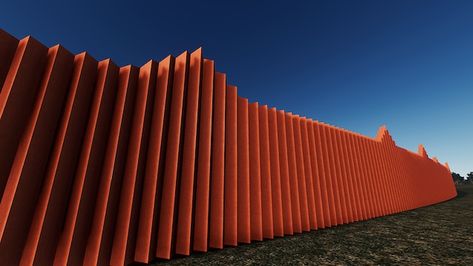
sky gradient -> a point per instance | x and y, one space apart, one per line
353 64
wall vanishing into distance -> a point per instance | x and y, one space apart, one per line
101 164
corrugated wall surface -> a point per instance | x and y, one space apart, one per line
101 164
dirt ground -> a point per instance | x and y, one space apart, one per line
436 235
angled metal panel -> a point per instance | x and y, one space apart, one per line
244 213
202 193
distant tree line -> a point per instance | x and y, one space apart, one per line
458 179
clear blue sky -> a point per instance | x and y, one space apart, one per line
355 64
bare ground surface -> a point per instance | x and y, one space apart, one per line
435 235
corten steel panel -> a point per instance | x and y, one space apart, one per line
373 175
244 231
383 176
291 154
284 170
358 176
390 162
48 218
24 182
315 176
329 176
7 51
399 199
405 200
73 239
382 180
16 103
340 184
362 177
378 178
322 175
276 189
305 221
343 174
350 174
256 219
230 224
367 175
123 246
308 174
202 193
389 175
100 237
152 182
186 193
399 187
336 178
109 166
216 214
173 161
266 193
377 147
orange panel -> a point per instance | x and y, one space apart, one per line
315 167
231 164
17 101
334 203
366 180
366 177
339 177
351 175
373 177
359 183
256 219
343 173
73 240
123 246
99 242
381 177
327 197
48 218
7 51
394 178
170 182
401 190
276 190
244 231
266 195
285 178
202 194
388 176
295 194
308 174
218 164
305 221
29 166
376 164
152 182
186 193
378 178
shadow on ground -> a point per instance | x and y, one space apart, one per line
439 234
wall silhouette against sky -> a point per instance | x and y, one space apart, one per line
102 164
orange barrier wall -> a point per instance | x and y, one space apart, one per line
101 164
